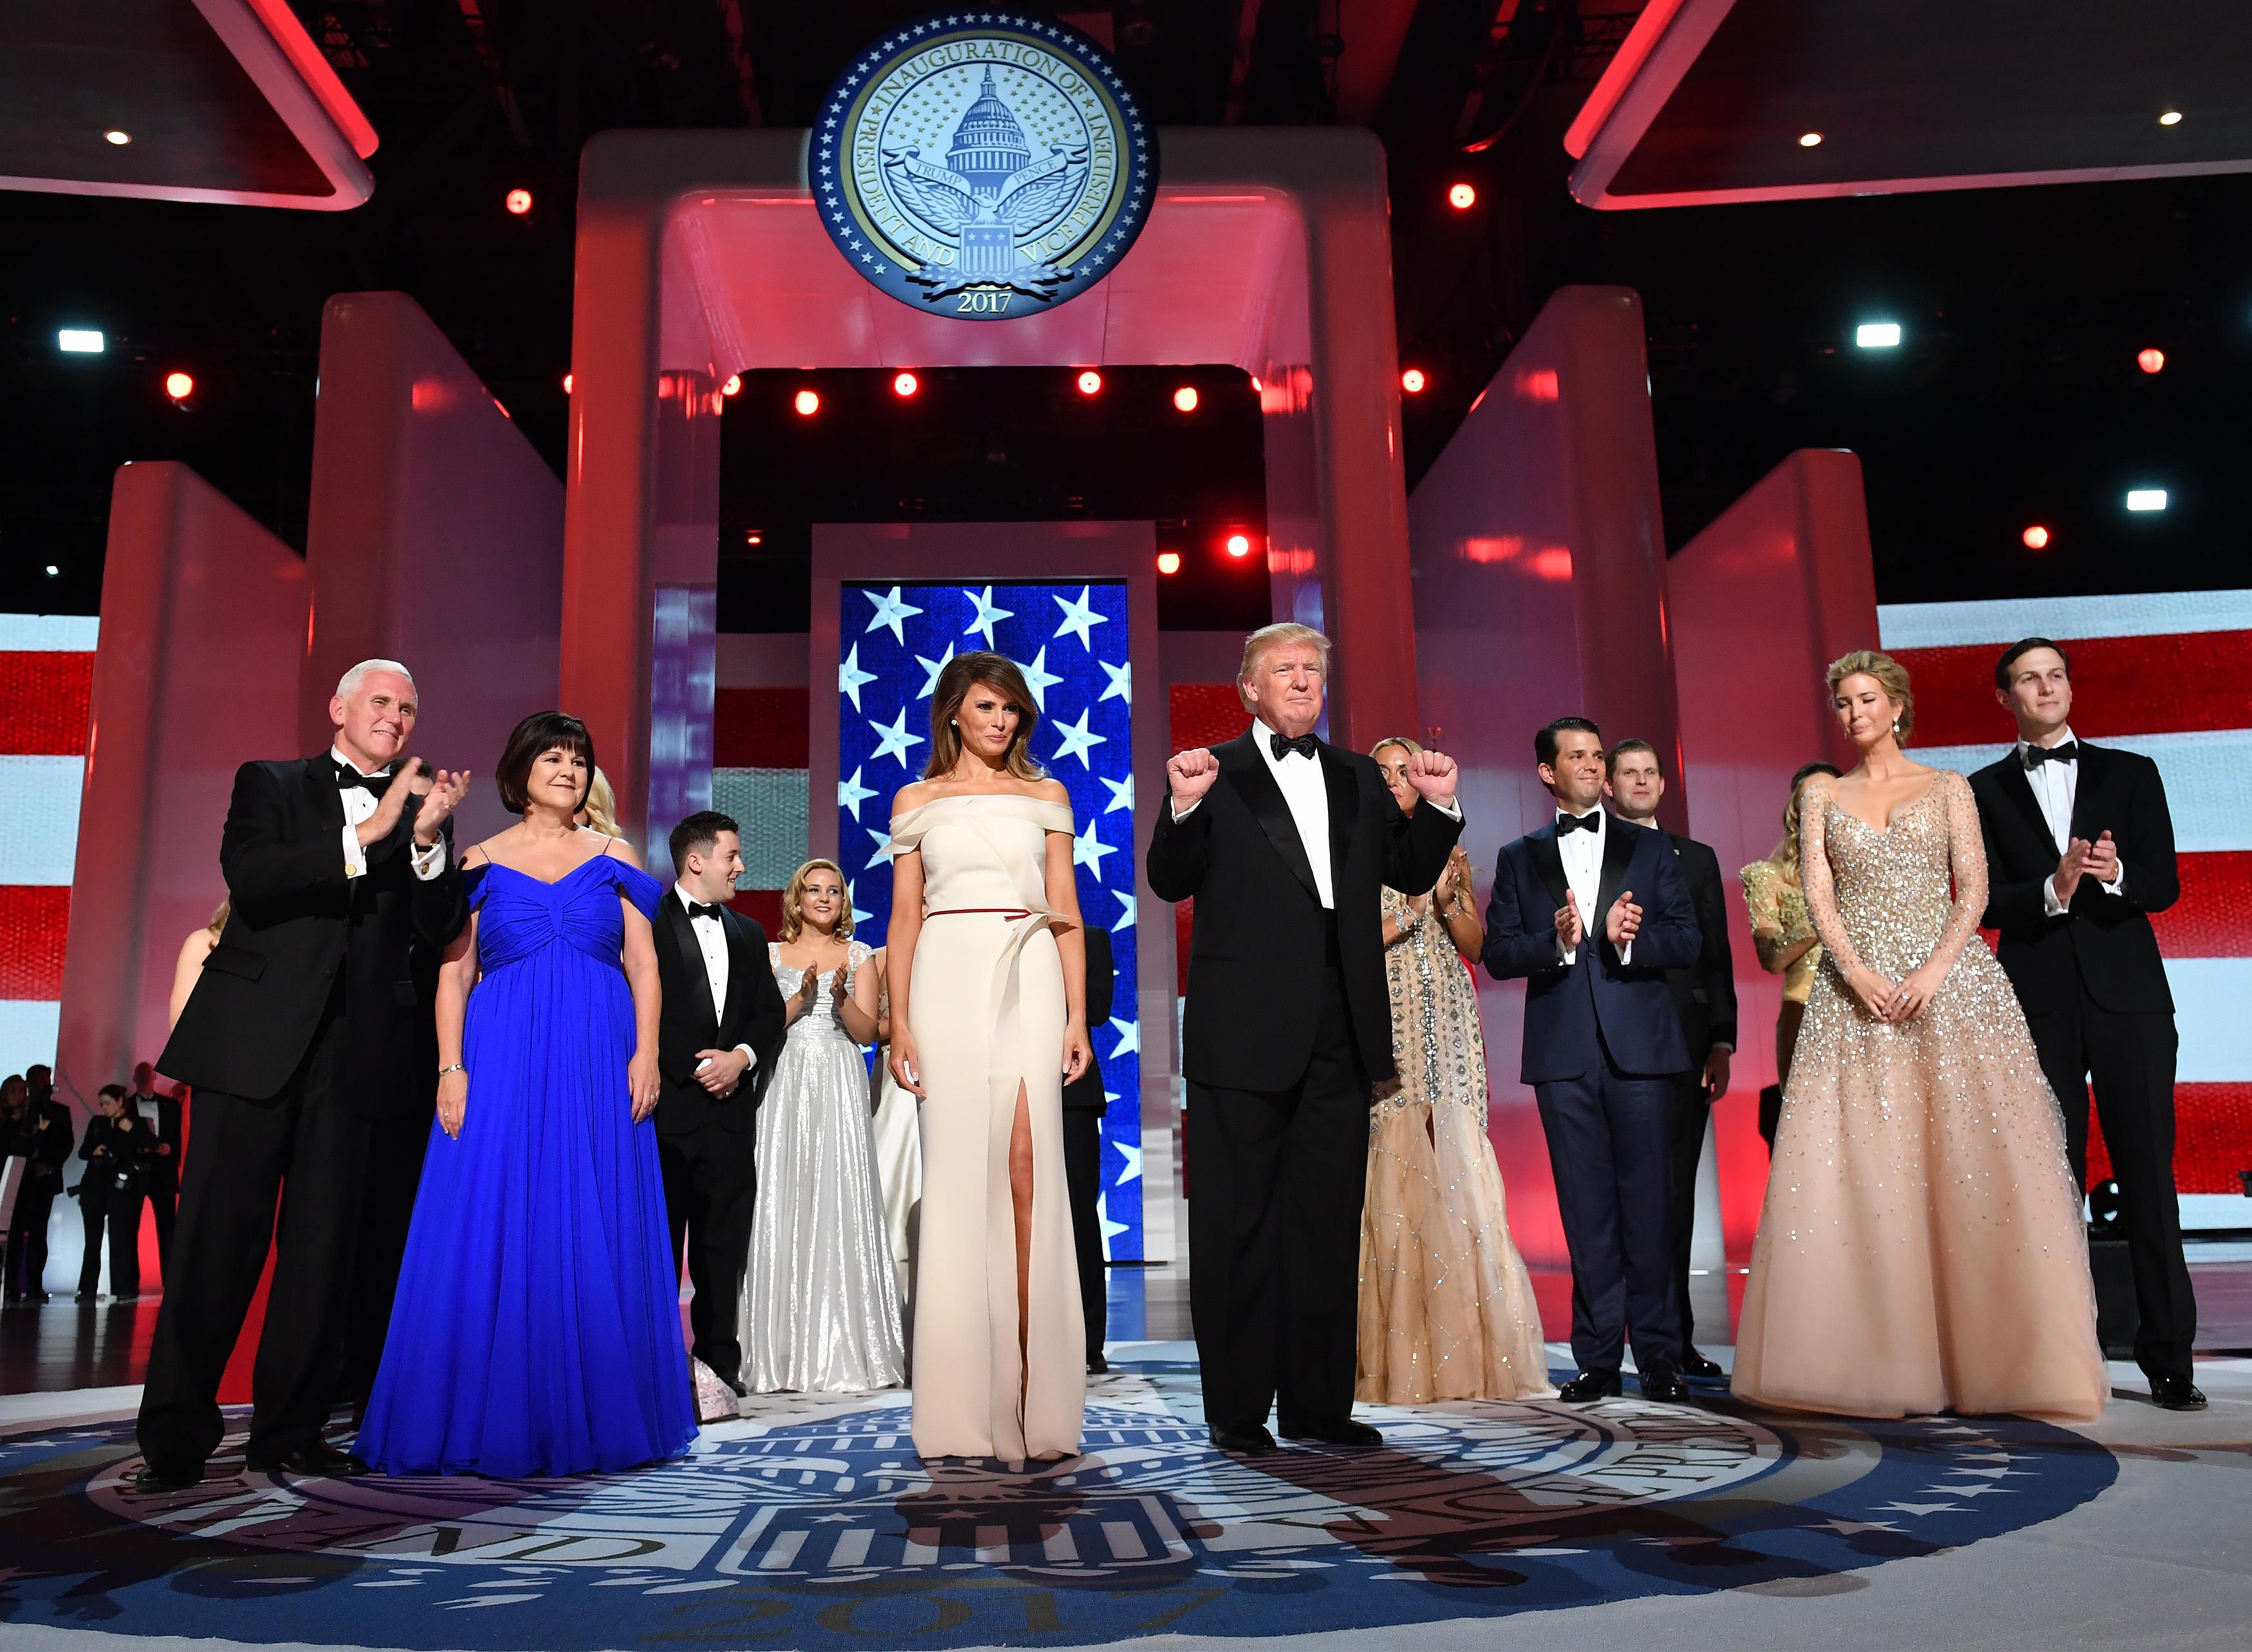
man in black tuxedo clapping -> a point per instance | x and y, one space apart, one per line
300 1033
720 1031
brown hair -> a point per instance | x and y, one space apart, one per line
962 673
220 914
1611 761
1891 676
792 900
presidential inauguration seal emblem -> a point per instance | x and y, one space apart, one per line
982 164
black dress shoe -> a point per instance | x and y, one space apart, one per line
1695 1364
166 1476
1589 1386
1663 1382
2177 1394
1097 1366
1253 1441
1332 1431
315 1459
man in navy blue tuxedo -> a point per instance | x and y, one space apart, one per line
1592 913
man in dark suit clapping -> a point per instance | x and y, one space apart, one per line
1592 913
1705 998
300 1033
2080 852
720 1031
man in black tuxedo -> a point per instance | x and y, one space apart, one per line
1283 842
717 1038
1704 996
1084 1106
2080 852
161 1116
42 1141
1591 914
300 1033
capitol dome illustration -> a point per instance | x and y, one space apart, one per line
988 145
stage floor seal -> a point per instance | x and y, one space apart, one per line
813 1524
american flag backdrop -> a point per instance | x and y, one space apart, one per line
1071 642
46 687
2164 674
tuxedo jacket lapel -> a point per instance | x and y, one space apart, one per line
738 952
1618 849
2089 795
2020 790
1344 808
1548 861
681 935
321 788
1247 770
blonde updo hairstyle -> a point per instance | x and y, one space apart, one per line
1891 676
793 901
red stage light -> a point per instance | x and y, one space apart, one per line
906 384
1185 398
1256 386
2150 360
1169 562
735 384
567 383
1461 197
179 386
2036 538
519 202
807 402
1090 383
1239 545
754 536
1413 381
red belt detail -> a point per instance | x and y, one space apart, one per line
970 912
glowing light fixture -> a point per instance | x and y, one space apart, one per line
735 384
80 341
1256 387
1412 380
1090 383
117 135
807 402
754 536
2151 361
1461 197
2172 117
2146 498
1810 140
1185 398
517 201
52 570
906 384
179 386
1882 335
567 383
2036 538
1168 562
1239 545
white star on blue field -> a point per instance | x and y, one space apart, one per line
1071 642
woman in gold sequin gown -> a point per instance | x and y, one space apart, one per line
1921 1248
1446 1309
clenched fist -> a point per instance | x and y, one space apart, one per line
1191 774
1432 774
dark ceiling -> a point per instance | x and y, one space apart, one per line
2016 397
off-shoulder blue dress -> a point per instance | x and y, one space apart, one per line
537 1326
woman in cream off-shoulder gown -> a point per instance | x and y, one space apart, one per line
1921 1249
987 965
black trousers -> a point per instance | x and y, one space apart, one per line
1082 1172
711 1189
1690 1111
1276 1178
306 1149
104 1208
2130 1059
163 1203
27 1232
1610 1140
394 1173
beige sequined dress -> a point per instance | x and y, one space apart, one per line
1446 1309
1921 1248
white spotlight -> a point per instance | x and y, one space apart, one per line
1878 335
2146 498
79 341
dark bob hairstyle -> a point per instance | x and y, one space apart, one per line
542 732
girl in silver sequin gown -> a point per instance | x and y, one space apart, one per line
1921 1248
820 1306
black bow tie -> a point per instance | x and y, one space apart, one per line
351 780
697 910
2067 753
1304 745
1590 822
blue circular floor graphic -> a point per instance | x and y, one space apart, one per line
815 1525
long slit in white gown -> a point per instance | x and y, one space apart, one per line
987 1012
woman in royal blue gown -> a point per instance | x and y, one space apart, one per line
537 1327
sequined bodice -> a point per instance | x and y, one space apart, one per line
1893 894
820 1022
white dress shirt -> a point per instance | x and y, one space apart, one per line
2055 787
1582 855
1306 793
713 940
360 806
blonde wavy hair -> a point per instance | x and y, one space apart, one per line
600 808
1891 676
793 901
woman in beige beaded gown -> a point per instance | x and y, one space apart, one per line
1921 1249
988 968
1446 1309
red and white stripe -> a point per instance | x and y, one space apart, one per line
2165 674
47 682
